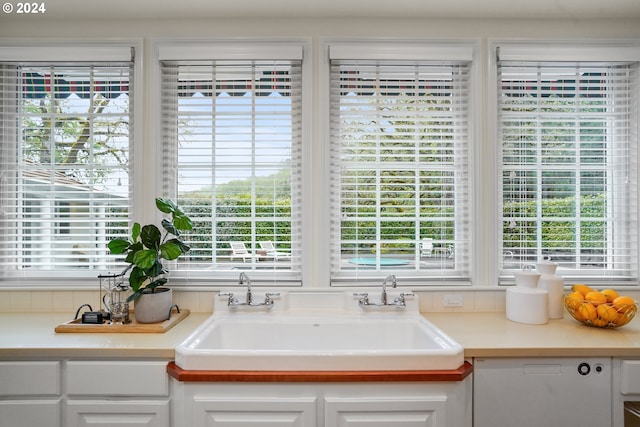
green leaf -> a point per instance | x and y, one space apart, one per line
159 282
165 205
145 258
150 236
168 225
135 232
118 246
182 222
183 246
132 252
137 278
135 295
156 269
170 250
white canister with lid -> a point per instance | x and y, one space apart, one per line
527 278
554 285
527 305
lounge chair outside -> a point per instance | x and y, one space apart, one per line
239 250
270 250
426 247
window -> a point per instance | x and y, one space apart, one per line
400 199
65 126
232 135
568 133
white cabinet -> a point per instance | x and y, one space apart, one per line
32 413
126 413
117 378
74 393
253 411
534 392
104 393
626 392
392 411
397 404
30 393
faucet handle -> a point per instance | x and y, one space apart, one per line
268 300
364 297
400 300
232 301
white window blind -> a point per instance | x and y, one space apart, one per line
232 142
65 181
568 135
400 198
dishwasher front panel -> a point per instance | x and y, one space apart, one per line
541 392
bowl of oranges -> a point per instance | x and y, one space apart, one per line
601 309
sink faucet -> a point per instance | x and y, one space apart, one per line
244 278
233 302
394 284
384 301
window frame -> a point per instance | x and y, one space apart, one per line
185 49
400 49
551 51
69 51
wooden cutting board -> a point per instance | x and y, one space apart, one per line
76 326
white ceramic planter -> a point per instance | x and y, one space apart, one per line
154 307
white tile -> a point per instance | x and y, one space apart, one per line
484 301
62 302
42 301
20 301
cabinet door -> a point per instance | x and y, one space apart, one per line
254 412
427 411
32 413
118 413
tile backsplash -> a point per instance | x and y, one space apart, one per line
69 301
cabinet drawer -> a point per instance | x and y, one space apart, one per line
30 378
117 378
32 413
97 413
630 377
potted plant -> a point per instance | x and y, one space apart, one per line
145 252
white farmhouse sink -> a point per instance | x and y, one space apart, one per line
353 340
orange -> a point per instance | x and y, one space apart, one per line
622 319
595 297
601 323
582 288
623 303
586 311
574 299
607 313
610 294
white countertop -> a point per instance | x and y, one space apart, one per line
33 335
481 335
493 335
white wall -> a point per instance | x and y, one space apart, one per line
483 30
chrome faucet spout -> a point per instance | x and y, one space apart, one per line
394 283
241 280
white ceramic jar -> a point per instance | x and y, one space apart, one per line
554 285
525 303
